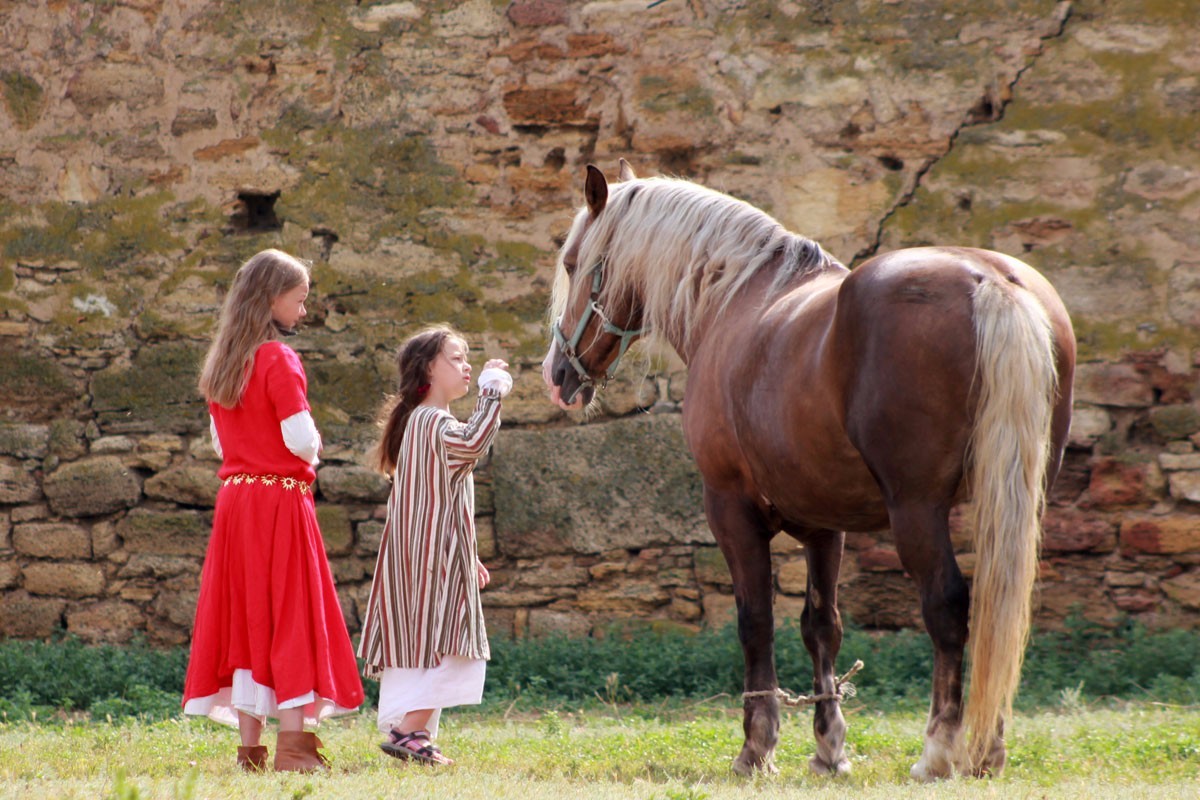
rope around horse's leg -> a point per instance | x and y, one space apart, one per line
842 690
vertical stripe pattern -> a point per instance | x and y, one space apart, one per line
424 600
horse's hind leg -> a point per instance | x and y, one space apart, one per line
922 536
742 534
821 625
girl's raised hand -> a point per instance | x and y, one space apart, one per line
496 363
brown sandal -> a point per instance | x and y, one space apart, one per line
415 746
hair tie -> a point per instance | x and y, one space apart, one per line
423 390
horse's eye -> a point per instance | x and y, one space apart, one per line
569 266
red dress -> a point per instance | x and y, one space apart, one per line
267 608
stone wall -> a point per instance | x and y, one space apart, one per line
427 157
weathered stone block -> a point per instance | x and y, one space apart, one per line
485 538
793 576
353 484
623 484
17 485
178 606
710 567
880 559
52 540
548 105
1186 486
350 570
1068 530
554 571
1089 423
146 565
59 579
172 533
156 393
1175 421
628 597
1161 535
99 85
1184 589
1107 384
25 617
369 534
1181 461
336 529
92 487
10 574
547 622
24 440
537 13
719 609
189 486
1115 482
109 621
35 384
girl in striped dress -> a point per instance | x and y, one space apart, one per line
423 632
269 639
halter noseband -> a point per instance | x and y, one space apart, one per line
567 346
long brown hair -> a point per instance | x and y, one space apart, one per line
413 363
245 323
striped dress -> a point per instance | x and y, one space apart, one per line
424 601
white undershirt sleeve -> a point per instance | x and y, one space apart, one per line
497 379
301 436
212 432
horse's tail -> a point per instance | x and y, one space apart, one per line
1009 451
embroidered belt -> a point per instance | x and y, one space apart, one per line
267 480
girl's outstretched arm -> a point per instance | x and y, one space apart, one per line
470 440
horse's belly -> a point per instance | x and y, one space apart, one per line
838 499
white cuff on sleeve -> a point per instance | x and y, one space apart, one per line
212 432
496 378
301 436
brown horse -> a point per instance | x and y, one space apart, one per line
820 400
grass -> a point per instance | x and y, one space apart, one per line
656 752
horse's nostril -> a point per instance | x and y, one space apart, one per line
560 374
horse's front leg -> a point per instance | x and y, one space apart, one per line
922 537
742 534
821 625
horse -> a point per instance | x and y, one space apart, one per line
822 400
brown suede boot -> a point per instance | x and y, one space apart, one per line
252 759
296 751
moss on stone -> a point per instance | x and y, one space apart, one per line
1106 340
156 394
32 378
661 94
23 96
376 181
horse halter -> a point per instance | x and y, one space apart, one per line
567 346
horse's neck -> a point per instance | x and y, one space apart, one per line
746 305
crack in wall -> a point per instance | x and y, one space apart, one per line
982 113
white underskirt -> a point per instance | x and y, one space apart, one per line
456 681
259 701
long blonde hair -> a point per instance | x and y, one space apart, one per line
413 362
245 323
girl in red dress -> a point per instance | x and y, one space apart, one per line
269 638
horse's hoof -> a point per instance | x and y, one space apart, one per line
926 774
824 768
746 768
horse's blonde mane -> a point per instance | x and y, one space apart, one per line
686 249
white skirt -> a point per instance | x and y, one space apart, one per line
259 701
457 681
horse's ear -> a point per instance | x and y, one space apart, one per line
626 173
595 190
